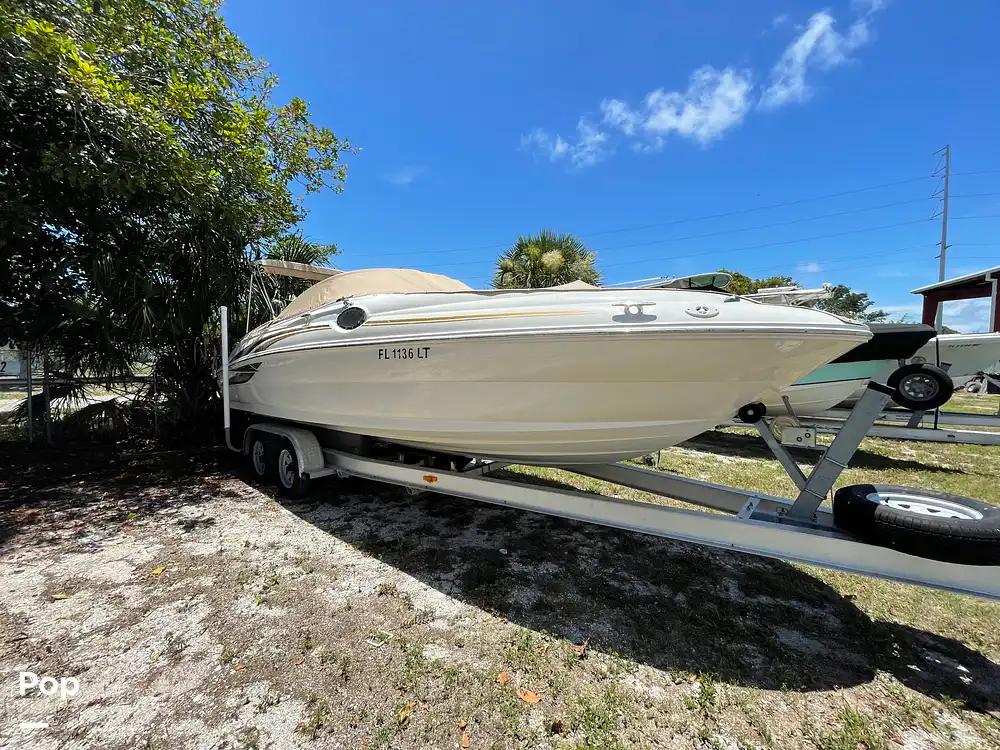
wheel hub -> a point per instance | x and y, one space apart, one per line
926 506
919 387
286 468
257 456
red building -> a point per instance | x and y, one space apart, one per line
978 285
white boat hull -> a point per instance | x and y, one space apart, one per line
488 375
536 377
964 354
544 401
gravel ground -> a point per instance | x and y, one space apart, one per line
197 610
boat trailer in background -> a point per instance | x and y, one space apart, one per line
892 424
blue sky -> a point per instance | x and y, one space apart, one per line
769 137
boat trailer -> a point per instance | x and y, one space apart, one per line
800 530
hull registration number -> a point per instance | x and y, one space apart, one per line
405 352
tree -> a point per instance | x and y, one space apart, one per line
742 284
850 304
543 260
141 155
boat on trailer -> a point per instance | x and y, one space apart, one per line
905 534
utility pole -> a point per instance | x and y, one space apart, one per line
944 229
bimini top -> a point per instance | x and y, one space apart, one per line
370 281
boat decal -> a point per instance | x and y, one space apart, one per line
477 316
269 339
243 373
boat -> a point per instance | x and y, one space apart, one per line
878 360
962 355
543 376
845 378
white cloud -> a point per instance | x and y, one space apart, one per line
820 46
897 273
715 100
810 267
588 148
967 315
907 309
619 115
404 176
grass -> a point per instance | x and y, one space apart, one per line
975 403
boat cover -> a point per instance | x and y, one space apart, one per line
578 284
370 281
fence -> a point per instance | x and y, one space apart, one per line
31 374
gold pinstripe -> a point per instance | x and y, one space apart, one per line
476 316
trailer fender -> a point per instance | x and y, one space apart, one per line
307 449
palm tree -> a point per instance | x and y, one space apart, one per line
295 248
545 260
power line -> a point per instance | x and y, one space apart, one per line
861 230
674 222
790 222
774 244
763 226
760 208
837 260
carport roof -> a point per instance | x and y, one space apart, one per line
969 280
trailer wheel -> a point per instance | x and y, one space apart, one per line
925 523
921 387
261 456
751 413
286 466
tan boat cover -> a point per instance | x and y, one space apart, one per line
370 281
578 284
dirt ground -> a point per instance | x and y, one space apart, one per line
197 610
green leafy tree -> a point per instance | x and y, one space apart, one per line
543 260
852 304
141 155
743 284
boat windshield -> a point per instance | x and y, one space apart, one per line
370 281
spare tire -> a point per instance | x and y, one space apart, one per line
921 387
925 523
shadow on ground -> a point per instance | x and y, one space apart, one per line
674 606
751 446
105 485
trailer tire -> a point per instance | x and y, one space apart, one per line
925 523
921 387
261 456
751 413
291 483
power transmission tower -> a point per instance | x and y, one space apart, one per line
942 258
